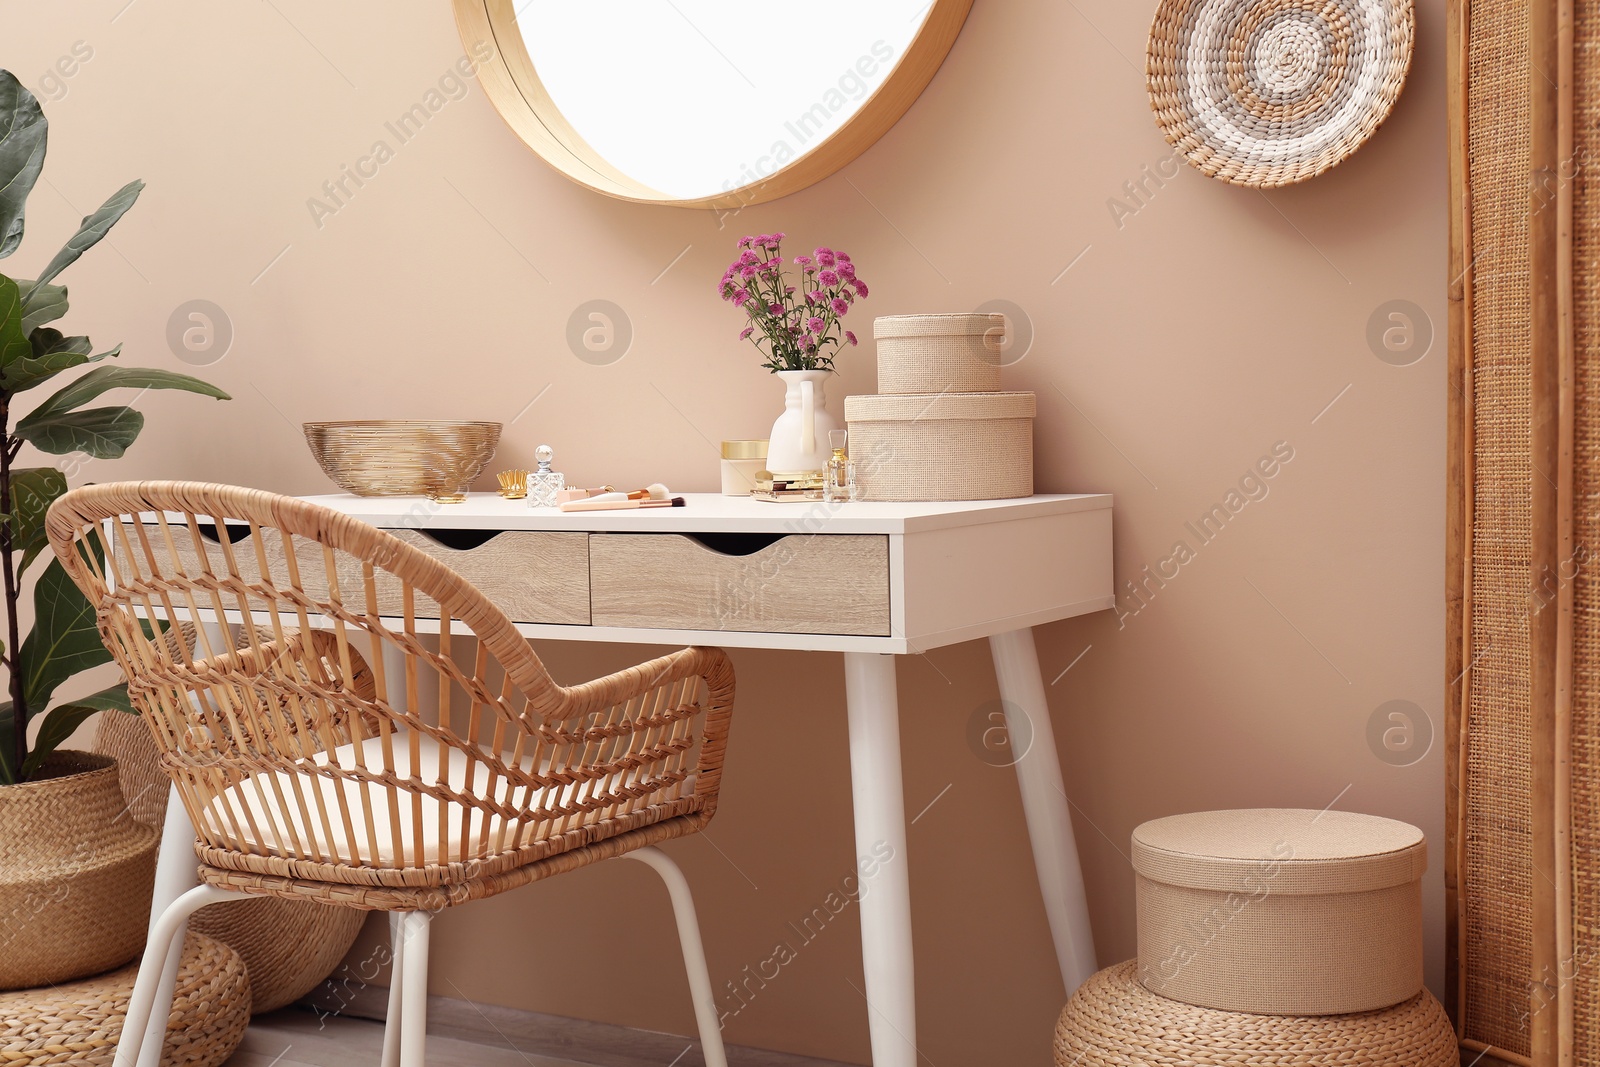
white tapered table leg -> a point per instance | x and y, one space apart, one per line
880 811
175 876
1044 803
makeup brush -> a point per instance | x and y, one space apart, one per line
621 505
653 491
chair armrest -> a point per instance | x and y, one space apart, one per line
588 706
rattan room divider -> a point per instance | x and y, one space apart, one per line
1523 597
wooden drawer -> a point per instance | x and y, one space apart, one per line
802 583
533 576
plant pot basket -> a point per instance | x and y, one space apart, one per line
76 872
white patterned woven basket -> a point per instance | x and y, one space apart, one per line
939 353
1280 911
1265 93
942 446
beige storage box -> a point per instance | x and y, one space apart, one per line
942 446
1280 911
939 353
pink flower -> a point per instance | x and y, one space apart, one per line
749 257
740 296
826 257
788 290
776 309
802 260
844 257
829 278
746 242
861 287
744 335
814 324
848 336
839 306
847 269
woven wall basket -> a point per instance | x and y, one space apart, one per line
1113 1021
75 874
1266 93
1280 911
289 946
939 353
77 1025
942 446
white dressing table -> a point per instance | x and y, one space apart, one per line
870 580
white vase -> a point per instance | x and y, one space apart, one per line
799 439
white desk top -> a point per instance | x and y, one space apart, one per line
704 513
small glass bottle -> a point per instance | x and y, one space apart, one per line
544 484
839 483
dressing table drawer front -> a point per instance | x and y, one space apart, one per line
801 583
532 576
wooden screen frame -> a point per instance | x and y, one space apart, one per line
1553 396
518 94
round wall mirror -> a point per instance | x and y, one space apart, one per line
704 103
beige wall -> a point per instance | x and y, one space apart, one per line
1211 324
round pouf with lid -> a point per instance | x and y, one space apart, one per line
1280 911
1114 1021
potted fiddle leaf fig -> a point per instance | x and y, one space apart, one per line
74 873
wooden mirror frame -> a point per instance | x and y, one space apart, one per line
520 97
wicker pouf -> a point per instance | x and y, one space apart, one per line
289 946
79 1023
1280 911
1114 1021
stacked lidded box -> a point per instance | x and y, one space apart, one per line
939 427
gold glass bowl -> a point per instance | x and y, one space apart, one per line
391 457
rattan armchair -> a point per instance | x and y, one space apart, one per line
339 750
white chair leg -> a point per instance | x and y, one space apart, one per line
391 1026
414 989
694 952
142 1018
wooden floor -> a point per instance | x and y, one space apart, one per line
294 1038
470 1036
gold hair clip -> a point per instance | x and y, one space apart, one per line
514 484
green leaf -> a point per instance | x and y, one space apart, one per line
33 490
90 230
53 732
99 380
64 639
104 433
23 132
52 354
41 304
111 698
14 343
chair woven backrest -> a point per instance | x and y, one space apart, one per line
452 757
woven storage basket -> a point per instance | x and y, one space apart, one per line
942 446
1280 911
79 1023
939 353
1265 93
1113 1020
75 874
288 946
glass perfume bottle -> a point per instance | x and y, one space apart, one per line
839 483
544 484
